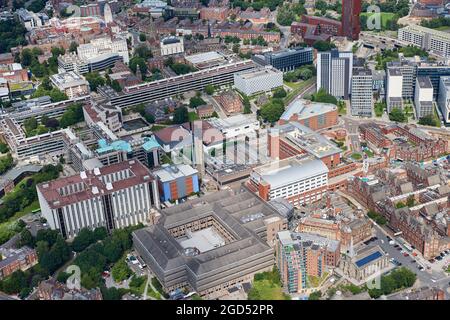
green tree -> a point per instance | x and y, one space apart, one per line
428 120
321 45
26 238
3 147
280 93
209 89
247 106
272 111
142 37
323 96
73 46
30 124
143 52
316 295
181 115
95 80
72 115
116 86
120 271
196 101
397 115
83 239
285 15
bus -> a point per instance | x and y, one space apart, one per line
36 210
407 247
397 233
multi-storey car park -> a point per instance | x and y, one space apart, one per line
169 87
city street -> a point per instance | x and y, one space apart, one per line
434 277
425 276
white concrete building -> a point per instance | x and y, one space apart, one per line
236 126
107 13
423 97
32 20
334 72
171 45
361 93
257 81
428 39
103 46
114 197
297 179
72 84
394 89
444 98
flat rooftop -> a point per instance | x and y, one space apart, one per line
231 122
173 172
257 73
204 240
305 109
312 142
204 57
283 172
424 82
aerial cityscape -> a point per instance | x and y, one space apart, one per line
225 150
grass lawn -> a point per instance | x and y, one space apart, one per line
157 127
193 116
297 87
268 290
443 28
7 227
369 153
385 17
152 293
314 282
139 290
165 159
342 108
356 156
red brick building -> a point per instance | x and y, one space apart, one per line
350 18
229 101
313 115
213 13
16 259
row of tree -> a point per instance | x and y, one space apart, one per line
25 193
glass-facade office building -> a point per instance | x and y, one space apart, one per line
290 59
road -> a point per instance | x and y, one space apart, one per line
351 125
286 31
432 277
410 262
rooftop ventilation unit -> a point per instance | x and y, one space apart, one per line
96 171
109 186
83 175
94 190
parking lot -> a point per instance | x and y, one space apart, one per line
427 274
